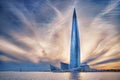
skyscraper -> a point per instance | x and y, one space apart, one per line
75 64
75 44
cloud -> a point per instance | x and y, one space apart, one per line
41 31
105 40
6 59
33 42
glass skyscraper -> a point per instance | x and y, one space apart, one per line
75 44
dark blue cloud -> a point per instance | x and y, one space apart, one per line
9 56
38 10
108 61
92 7
8 21
15 41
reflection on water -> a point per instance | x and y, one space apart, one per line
59 76
75 76
95 76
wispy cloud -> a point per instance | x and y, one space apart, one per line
107 37
42 33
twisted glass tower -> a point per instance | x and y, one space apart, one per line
75 44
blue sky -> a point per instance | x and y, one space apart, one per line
39 31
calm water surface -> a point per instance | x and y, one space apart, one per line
59 76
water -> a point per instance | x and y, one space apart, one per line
59 76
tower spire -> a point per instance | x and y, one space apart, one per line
74 13
75 44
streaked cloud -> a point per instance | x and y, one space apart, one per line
40 31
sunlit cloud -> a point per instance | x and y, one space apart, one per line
106 44
43 32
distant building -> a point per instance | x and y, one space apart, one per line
64 66
54 68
